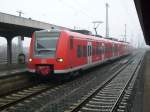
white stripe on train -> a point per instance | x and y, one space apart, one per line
86 66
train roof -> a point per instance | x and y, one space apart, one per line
49 30
98 37
83 34
86 32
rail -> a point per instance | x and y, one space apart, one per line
106 96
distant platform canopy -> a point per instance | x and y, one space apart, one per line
11 26
143 8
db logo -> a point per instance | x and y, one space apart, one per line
43 61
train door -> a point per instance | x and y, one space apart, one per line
118 50
103 49
89 52
113 49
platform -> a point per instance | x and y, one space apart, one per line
12 69
146 72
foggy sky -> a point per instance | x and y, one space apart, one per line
81 14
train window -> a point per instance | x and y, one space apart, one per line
99 50
93 50
84 51
106 49
96 50
71 42
116 48
79 51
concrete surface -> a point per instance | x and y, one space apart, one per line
146 71
6 67
6 70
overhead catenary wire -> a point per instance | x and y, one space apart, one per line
132 26
83 9
77 10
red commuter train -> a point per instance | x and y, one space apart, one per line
61 51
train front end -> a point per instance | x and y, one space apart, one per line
42 54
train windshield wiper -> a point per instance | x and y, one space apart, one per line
45 50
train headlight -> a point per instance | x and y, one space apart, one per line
60 59
30 59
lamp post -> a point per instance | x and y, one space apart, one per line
125 32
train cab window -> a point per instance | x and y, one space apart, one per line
71 42
45 43
79 51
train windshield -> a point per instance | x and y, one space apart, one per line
45 44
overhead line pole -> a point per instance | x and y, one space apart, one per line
125 33
107 23
20 46
20 13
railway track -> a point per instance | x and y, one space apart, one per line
12 82
63 102
110 96
19 86
11 99
16 97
